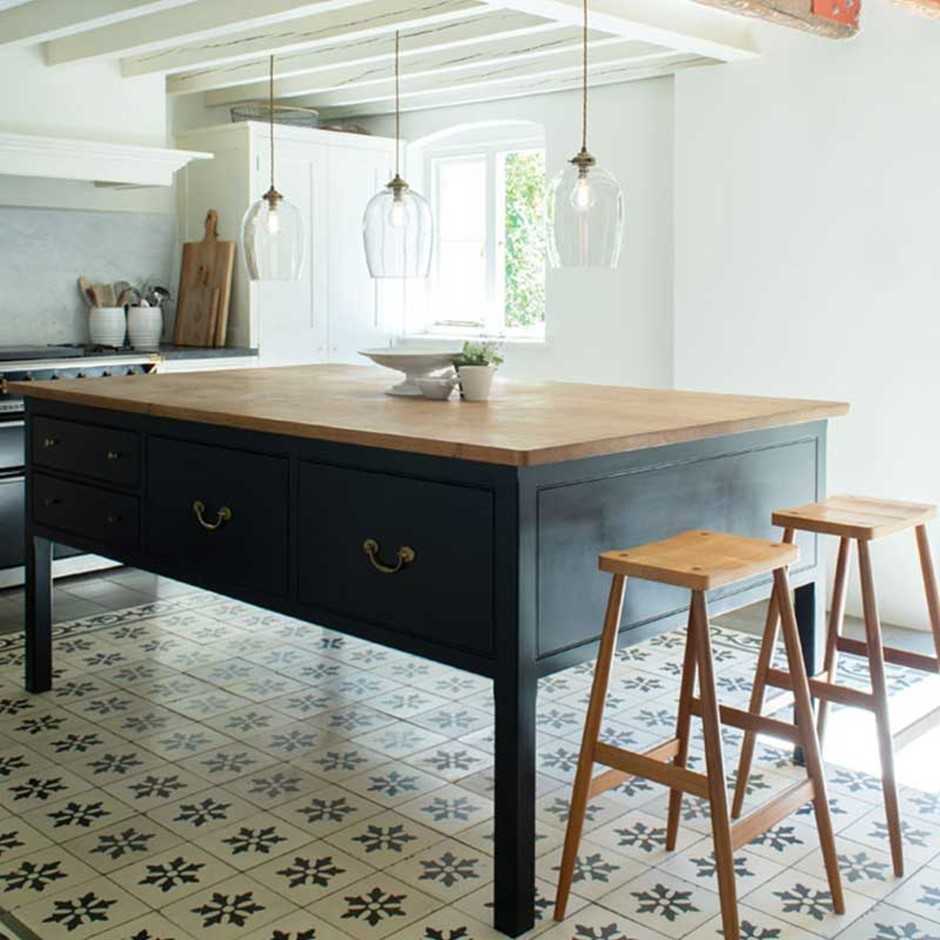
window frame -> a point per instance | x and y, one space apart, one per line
493 152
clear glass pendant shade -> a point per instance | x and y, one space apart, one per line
397 232
273 240
585 218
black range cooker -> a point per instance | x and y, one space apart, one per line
40 363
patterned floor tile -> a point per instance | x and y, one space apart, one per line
29 877
376 906
452 760
663 903
274 785
758 925
110 766
300 925
921 839
449 809
149 927
339 759
920 894
184 740
254 840
86 910
156 787
480 837
326 810
209 706
224 764
448 924
641 837
805 902
400 740
245 719
383 839
447 870
176 873
123 843
311 873
394 783
89 811
864 869
597 870
203 812
234 908
594 922
290 741
697 866
479 905
31 790
553 809
890 923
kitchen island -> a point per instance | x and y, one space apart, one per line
467 533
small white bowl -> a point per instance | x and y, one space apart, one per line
437 389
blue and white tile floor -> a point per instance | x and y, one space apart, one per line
207 769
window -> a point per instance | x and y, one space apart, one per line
488 272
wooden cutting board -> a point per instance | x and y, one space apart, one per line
197 317
207 266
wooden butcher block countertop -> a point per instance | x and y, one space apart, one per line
523 424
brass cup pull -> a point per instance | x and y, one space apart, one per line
50 442
406 555
222 516
113 455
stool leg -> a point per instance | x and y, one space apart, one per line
714 762
764 662
930 584
683 727
879 688
836 619
592 729
803 709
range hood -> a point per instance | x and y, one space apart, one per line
91 160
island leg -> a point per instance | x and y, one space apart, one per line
38 614
514 842
809 605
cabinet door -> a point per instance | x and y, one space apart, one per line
292 315
360 317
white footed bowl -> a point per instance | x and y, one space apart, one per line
416 363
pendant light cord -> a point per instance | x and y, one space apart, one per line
584 77
397 107
271 112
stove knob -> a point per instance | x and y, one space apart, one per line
80 375
130 371
105 373
53 377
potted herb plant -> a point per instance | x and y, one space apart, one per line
476 364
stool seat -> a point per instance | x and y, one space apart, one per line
855 517
700 560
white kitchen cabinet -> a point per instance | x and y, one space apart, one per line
335 308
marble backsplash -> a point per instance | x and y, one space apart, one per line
44 251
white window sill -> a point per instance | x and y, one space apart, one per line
472 337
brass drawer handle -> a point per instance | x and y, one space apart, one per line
50 442
52 501
114 518
406 555
113 455
222 516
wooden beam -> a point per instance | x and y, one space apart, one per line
772 812
683 27
43 20
482 75
797 14
495 52
207 20
373 47
929 8
615 74
337 22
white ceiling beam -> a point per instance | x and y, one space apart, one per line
615 74
373 47
362 19
497 50
622 52
36 21
204 21
682 25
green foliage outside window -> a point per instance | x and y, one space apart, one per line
525 239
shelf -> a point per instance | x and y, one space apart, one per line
91 160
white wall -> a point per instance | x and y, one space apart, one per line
602 326
806 256
87 101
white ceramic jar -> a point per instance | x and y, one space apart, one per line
145 327
476 382
107 326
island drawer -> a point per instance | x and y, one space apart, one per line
100 515
111 455
221 511
356 530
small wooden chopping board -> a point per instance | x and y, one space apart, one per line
207 267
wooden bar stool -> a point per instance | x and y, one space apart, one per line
860 520
701 561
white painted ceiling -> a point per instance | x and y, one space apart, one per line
337 55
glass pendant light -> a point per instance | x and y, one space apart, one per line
585 203
397 230
273 228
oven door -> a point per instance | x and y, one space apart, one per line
12 509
